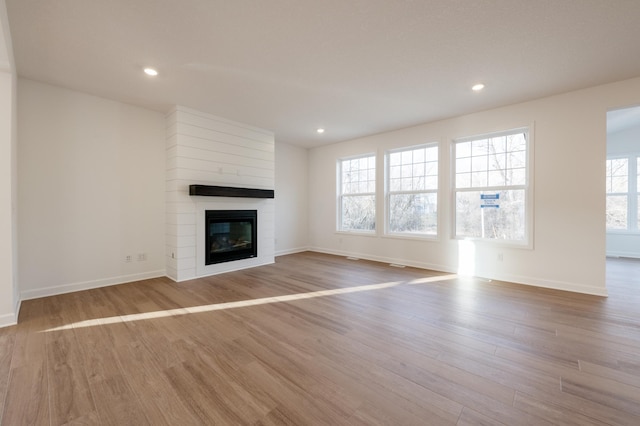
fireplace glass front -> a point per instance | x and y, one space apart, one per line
231 235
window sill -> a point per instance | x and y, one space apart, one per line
412 237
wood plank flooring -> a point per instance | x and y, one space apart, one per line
319 339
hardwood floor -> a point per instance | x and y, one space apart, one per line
319 339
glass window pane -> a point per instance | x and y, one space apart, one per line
498 145
517 159
407 184
395 159
463 165
497 161
517 177
479 164
504 222
619 167
616 212
371 186
496 178
431 169
407 157
418 183
413 213
619 184
478 179
463 149
358 212
431 183
358 175
395 185
516 142
431 153
463 180
479 147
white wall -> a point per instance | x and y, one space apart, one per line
620 143
91 190
209 150
9 301
292 199
569 228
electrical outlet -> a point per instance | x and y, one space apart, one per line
500 257
142 257
128 258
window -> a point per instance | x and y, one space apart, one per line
412 190
357 194
491 187
623 195
617 193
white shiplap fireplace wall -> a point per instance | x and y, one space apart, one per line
208 150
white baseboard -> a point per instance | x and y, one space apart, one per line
421 265
233 269
88 285
516 279
291 251
10 319
553 285
630 255
7 320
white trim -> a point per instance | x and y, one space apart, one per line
291 251
624 254
384 259
387 192
514 279
88 285
234 266
340 195
8 320
552 284
528 242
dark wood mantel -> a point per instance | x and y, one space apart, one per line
230 191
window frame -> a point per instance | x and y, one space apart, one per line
528 241
340 195
632 194
388 192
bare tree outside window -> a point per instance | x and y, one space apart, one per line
412 189
617 172
493 166
357 199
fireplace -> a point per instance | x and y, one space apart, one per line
230 235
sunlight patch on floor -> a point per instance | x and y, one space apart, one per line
246 303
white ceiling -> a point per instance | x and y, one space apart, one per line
355 67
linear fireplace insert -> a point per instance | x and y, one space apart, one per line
231 235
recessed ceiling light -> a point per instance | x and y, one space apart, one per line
477 87
320 130
150 72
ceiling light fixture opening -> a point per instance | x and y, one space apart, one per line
477 87
320 130
152 72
